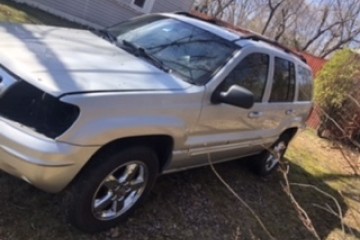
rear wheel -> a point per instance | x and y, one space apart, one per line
267 161
111 187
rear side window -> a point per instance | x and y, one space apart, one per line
283 87
251 73
305 84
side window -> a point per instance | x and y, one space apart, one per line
305 84
283 87
251 73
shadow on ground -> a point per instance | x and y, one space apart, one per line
186 205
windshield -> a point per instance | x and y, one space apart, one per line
190 52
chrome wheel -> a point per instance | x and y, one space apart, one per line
274 155
119 190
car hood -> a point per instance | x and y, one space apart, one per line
61 61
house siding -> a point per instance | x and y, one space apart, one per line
102 13
171 6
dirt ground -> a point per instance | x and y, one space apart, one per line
195 205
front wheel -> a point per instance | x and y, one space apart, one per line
110 188
267 161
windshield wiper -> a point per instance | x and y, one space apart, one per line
141 52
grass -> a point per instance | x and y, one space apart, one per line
20 13
329 170
194 204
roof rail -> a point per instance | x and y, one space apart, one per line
203 17
273 43
250 35
198 15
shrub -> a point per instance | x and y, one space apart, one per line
337 94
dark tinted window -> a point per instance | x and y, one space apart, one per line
283 88
305 84
251 73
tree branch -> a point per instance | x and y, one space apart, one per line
273 10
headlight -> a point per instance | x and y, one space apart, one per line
38 110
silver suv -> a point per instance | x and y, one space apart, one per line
100 114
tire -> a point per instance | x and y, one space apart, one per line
110 188
266 162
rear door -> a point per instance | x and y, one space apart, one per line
280 103
304 98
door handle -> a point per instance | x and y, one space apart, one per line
289 112
255 114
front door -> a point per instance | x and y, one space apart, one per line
228 132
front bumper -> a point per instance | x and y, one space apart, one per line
45 163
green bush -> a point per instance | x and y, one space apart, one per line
337 79
337 93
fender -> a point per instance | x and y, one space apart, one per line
132 114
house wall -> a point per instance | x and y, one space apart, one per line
172 6
314 120
316 65
102 13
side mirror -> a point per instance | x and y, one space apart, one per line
236 96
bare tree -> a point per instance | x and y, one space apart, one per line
285 19
244 11
339 25
222 5
273 7
214 8
349 28
320 27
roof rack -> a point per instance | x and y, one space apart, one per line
249 35
197 15
203 17
273 43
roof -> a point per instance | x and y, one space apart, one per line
240 33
